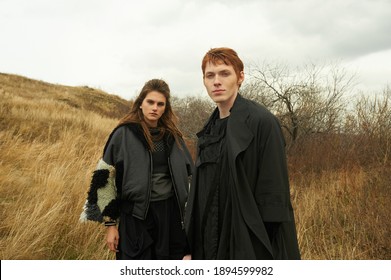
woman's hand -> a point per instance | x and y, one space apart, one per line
112 238
187 258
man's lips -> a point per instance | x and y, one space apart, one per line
217 91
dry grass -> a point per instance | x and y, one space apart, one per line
50 148
343 214
48 152
84 98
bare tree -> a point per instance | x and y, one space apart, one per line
374 125
192 113
308 100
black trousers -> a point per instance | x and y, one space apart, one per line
159 237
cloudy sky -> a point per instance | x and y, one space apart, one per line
117 45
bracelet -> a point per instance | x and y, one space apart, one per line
110 223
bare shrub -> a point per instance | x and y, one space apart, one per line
373 126
308 100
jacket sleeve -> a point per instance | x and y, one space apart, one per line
189 160
272 191
102 204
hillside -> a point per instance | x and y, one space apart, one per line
51 136
84 98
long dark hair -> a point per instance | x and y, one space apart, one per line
167 122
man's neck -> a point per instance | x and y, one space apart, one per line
225 107
223 112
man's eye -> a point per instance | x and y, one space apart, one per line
209 76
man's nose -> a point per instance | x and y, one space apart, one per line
216 80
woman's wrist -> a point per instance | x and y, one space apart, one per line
110 223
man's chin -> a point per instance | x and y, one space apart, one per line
218 99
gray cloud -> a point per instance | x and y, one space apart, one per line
344 28
117 45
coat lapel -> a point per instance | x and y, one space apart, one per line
239 136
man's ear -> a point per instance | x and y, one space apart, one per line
241 77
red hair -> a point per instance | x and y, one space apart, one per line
223 55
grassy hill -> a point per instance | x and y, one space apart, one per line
49 137
84 98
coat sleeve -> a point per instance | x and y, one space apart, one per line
272 193
102 203
272 189
188 159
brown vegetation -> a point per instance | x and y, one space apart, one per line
51 137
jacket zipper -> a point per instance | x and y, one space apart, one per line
149 184
176 192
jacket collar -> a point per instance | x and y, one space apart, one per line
138 132
239 136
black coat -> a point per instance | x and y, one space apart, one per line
127 150
257 162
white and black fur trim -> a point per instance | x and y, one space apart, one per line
102 202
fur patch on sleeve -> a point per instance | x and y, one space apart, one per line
102 202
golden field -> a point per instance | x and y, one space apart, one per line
52 136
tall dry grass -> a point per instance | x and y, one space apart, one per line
48 153
50 148
343 214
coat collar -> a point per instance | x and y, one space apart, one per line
239 136
138 132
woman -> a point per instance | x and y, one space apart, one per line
141 183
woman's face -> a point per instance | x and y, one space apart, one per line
153 107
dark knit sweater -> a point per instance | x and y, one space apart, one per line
161 179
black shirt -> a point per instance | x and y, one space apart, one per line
213 195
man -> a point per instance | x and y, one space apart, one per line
239 203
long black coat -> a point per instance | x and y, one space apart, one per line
257 162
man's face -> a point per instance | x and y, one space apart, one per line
222 83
